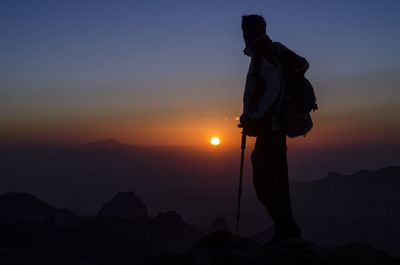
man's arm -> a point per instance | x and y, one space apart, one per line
271 77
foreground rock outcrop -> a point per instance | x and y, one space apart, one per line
222 248
11 256
219 224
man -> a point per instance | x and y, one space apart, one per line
262 97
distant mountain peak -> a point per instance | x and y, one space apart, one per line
392 171
108 144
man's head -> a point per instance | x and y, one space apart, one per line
253 26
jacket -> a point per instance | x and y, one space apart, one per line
264 80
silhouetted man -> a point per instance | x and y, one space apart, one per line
261 100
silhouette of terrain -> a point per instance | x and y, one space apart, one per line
103 240
219 224
12 256
23 207
124 205
362 207
93 172
109 144
221 248
336 210
164 238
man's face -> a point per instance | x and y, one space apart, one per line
245 37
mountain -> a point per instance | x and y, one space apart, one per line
82 176
23 207
333 210
162 239
109 144
361 207
124 205
122 234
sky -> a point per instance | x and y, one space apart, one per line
172 72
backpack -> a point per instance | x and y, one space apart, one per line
295 101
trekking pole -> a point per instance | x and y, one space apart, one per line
243 147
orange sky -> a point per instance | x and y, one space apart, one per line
196 128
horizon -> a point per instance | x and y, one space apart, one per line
102 168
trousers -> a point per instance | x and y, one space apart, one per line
271 178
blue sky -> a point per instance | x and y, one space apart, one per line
131 60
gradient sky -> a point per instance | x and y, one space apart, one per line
172 72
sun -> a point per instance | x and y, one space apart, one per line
215 141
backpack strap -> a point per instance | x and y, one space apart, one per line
260 83
263 124
278 55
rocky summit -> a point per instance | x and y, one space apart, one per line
220 248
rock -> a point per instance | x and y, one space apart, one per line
223 248
223 239
359 254
37 257
219 224
101 240
264 236
124 205
168 218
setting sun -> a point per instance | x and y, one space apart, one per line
215 140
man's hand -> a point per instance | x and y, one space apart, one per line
244 120
250 126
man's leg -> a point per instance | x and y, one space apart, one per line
270 176
288 229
